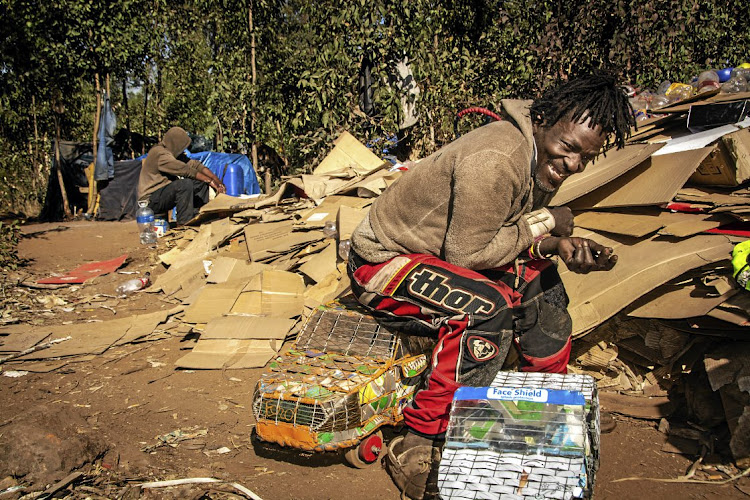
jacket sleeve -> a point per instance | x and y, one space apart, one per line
168 164
485 227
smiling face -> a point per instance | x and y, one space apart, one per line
563 150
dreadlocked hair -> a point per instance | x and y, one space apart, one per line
596 96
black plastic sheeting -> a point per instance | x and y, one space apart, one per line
74 158
119 197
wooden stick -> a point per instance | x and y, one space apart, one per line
66 206
92 172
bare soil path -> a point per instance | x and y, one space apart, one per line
131 394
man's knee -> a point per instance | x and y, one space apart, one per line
183 185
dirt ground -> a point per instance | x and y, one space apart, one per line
130 395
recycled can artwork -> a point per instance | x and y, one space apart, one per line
344 378
527 436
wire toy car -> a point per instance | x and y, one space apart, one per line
345 377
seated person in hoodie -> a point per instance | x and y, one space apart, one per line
159 183
459 248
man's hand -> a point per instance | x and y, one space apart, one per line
218 186
563 221
581 255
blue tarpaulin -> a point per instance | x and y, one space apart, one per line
216 161
104 168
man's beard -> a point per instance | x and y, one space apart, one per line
540 185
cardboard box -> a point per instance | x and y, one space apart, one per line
728 164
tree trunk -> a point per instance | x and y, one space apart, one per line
97 116
127 114
66 206
254 103
35 152
145 108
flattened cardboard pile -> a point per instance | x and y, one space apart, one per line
672 204
254 269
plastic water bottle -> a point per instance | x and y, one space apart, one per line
145 219
131 286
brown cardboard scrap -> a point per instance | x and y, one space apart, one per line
144 325
18 338
598 357
641 267
222 231
348 153
197 248
615 164
348 219
332 286
677 302
228 354
247 327
214 301
653 408
319 187
328 210
373 185
188 276
321 264
226 269
272 293
641 221
282 293
636 224
86 338
653 182
266 241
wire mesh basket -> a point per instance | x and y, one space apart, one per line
529 435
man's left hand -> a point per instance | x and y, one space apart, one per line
581 255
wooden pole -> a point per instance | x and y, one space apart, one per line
35 153
145 108
66 206
91 179
254 102
126 109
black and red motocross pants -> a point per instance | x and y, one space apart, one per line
475 317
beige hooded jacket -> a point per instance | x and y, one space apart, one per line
161 165
465 203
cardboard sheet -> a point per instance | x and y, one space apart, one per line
615 164
348 219
247 327
225 269
328 210
272 293
265 241
641 267
17 338
214 301
644 221
228 354
676 302
321 264
653 182
348 152
83 273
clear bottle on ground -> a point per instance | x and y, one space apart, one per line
145 219
131 286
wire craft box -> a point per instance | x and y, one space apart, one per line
527 436
344 378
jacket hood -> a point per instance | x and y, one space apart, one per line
176 141
517 111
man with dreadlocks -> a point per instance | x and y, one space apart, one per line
458 250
